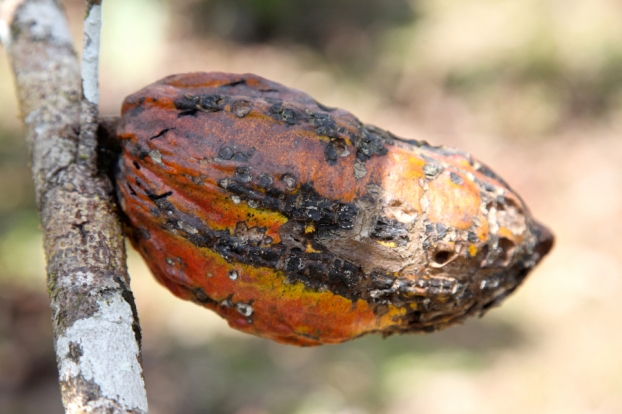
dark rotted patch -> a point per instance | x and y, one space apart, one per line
265 180
288 115
138 151
369 143
324 125
240 157
212 103
390 231
441 230
225 153
382 281
234 83
306 205
472 237
202 297
156 197
160 200
161 133
455 178
330 153
320 270
135 111
316 270
243 174
189 105
429 229
335 149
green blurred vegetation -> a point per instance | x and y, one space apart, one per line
21 257
347 32
226 375
535 66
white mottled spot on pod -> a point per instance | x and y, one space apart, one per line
402 211
452 235
241 108
187 227
492 220
425 203
483 208
233 274
236 199
359 170
432 169
290 182
253 204
156 156
244 309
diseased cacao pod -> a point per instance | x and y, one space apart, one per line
297 222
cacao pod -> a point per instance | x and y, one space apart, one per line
297 222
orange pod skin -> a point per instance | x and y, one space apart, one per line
297 222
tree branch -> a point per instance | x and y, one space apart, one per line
96 329
90 86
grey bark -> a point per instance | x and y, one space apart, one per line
97 336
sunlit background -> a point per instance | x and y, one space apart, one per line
531 87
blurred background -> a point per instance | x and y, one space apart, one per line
531 87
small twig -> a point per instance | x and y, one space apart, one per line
87 147
97 336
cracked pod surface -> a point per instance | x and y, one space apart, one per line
299 223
